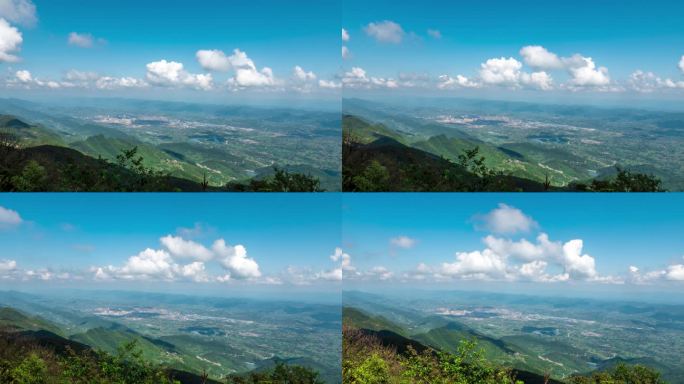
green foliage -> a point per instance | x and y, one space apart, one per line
373 370
280 181
625 181
365 360
621 374
375 178
467 365
280 374
31 370
22 362
31 179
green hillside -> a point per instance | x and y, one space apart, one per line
109 340
376 158
28 135
12 318
32 350
33 158
356 318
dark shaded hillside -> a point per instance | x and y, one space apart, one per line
54 168
388 165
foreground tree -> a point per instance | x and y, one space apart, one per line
621 374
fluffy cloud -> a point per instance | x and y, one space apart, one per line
508 72
502 70
498 262
514 259
213 60
540 80
10 42
150 262
19 11
673 273
235 260
385 32
357 78
584 73
9 218
75 78
460 81
343 258
168 263
477 264
539 57
648 82
403 242
524 249
302 75
83 40
81 76
107 82
435 34
185 249
24 76
506 219
681 64
171 73
7 266
246 73
577 265
25 79
329 84
345 35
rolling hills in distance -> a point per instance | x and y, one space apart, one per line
191 143
531 147
190 335
533 335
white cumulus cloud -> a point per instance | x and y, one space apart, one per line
585 73
235 260
10 42
7 266
83 40
171 73
507 219
345 35
9 218
385 31
19 11
213 60
539 57
246 73
185 249
460 81
302 75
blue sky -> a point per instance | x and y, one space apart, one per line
480 239
117 39
288 239
435 38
